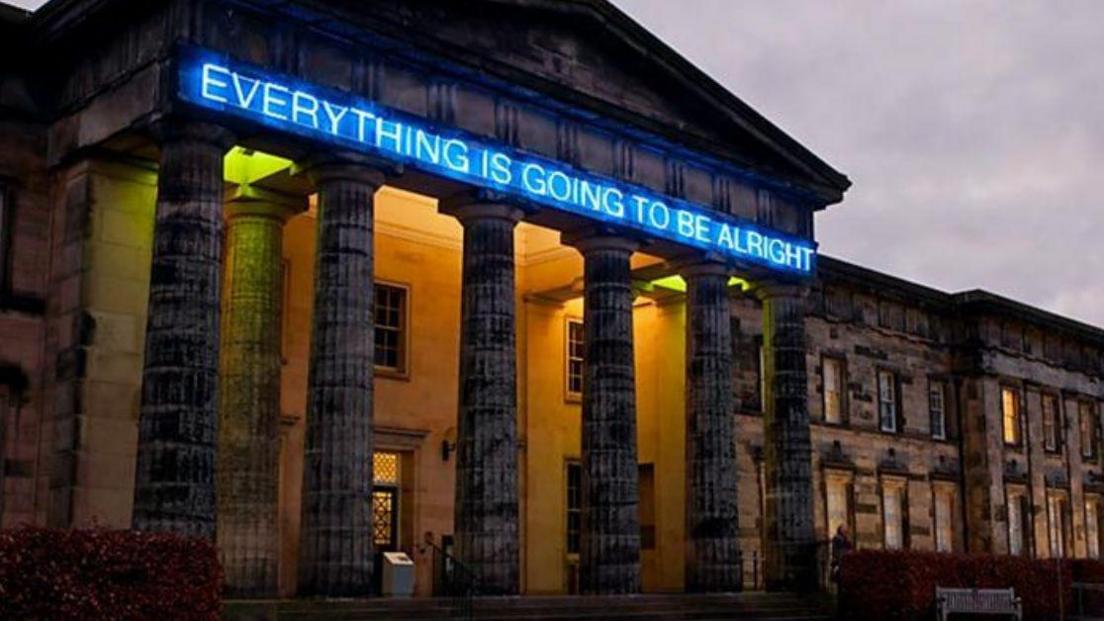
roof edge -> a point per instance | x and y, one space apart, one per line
13 15
972 300
819 173
983 300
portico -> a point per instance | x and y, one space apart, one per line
369 250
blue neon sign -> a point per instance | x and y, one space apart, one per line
291 105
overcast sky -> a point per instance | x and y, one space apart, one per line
973 131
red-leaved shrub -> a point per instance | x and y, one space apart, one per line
106 574
900 586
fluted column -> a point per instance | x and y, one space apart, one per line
609 554
712 561
249 403
790 539
336 545
486 509
174 486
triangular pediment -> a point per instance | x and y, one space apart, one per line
589 54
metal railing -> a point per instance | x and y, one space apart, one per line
1088 602
751 567
452 579
753 564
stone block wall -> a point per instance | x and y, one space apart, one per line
97 315
23 289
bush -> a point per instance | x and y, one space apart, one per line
106 574
900 586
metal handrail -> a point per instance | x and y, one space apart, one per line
452 579
1095 613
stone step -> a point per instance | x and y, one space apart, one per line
535 615
750 606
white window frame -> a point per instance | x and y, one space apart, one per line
839 391
1056 436
1086 411
937 387
1092 526
403 370
943 522
893 496
1017 523
888 397
569 394
1056 524
1017 410
840 482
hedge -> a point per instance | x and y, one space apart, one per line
106 574
900 586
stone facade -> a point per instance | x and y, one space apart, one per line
538 392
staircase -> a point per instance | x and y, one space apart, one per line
744 606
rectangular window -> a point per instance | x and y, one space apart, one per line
1010 408
1051 424
887 401
385 500
944 522
5 238
574 505
5 440
893 516
762 375
574 359
837 502
1056 519
391 329
1092 527
1016 529
937 408
646 506
764 214
832 372
1088 429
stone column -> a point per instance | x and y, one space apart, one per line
335 553
791 562
249 403
174 487
713 560
609 554
486 509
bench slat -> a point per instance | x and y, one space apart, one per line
977 601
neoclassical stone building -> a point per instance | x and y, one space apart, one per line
323 278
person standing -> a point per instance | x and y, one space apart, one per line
841 544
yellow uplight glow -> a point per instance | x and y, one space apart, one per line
677 283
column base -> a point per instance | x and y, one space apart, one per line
799 571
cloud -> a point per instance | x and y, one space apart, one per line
973 131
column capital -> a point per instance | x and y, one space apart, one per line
770 290
482 203
246 200
480 211
180 130
704 266
346 166
600 238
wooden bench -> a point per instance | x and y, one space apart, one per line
977 602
